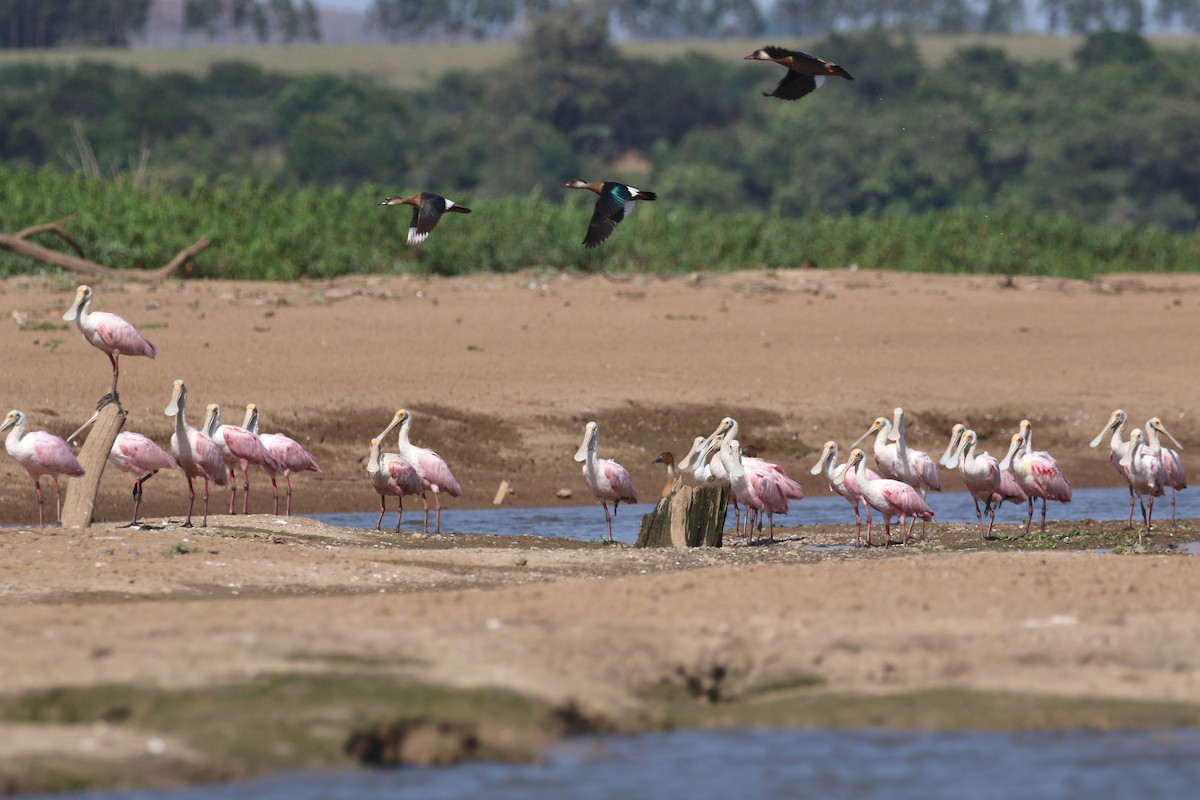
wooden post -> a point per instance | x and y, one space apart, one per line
80 501
690 516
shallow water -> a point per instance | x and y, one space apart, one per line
587 522
769 764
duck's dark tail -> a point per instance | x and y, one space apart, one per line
643 195
459 209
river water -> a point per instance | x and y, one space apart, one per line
770 764
586 522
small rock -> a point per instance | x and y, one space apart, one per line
563 494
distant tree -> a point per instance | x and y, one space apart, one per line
1001 16
50 23
695 18
1087 16
1183 12
1113 47
290 20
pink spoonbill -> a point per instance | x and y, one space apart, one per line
40 453
239 447
607 479
1173 475
983 478
434 471
391 475
288 453
136 454
1036 471
197 454
758 487
108 333
847 486
890 497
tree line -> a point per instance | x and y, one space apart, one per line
113 23
1113 141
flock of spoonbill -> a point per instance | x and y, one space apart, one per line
758 487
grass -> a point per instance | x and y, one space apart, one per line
410 66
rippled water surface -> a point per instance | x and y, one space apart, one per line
779 765
587 522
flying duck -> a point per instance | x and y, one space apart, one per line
615 204
805 72
427 210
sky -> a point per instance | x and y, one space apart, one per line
357 5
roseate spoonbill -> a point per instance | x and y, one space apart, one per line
846 486
673 478
428 209
983 478
286 451
391 475
805 72
758 487
1036 471
889 497
607 479
434 471
238 446
1146 472
1173 475
1117 448
196 453
108 333
616 202
136 454
729 429
896 460
40 453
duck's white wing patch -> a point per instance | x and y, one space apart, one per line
819 80
449 204
415 238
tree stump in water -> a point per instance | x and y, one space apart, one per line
690 516
80 501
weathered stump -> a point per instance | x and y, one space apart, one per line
690 516
80 501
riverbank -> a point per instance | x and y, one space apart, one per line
166 656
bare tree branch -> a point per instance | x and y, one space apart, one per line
19 243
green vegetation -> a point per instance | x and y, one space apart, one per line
281 234
983 163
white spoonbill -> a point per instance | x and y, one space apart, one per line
289 454
607 479
40 453
1146 472
1036 471
197 454
697 460
1173 475
890 497
847 486
239 447
108 333
1117 447
391 475
136 454
434 471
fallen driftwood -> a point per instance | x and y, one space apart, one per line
80 501
19 243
